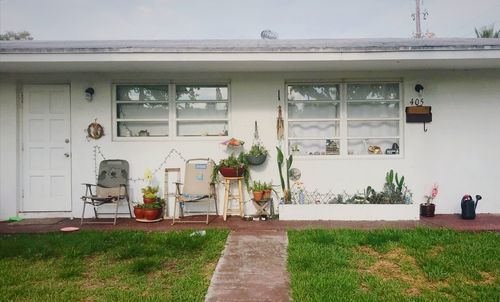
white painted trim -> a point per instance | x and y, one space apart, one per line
246 57
343 120
172 113
346 212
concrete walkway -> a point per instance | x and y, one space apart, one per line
252 268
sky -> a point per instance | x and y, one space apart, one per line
238 19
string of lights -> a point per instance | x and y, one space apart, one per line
97 151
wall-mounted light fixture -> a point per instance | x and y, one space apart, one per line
419 88
89 94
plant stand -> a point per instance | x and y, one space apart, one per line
262 206
228 196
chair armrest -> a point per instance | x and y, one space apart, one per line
89 185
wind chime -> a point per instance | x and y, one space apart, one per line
280 124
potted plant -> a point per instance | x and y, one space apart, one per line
267 190
232 167
257 155
257 190
152 211
150 194
139 211
427 209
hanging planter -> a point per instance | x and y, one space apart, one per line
256 160
258 153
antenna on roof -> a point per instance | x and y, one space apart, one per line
417 16
268 34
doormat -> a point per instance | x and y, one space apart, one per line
38 221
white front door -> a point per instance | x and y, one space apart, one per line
46 148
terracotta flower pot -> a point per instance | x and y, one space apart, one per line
139 213
257 195
148 200
231 172
152 214
267 194
427 209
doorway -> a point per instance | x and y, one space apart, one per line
46 148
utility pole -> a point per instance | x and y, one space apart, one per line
417 18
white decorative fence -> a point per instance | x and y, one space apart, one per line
371 212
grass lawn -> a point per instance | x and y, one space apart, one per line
108 266
394 265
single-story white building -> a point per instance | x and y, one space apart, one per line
339 98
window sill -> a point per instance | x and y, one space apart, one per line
170 139
347 157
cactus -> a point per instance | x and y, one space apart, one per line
369 192
389 177
400 183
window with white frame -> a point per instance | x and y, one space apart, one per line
142 110
202 110
345 119
147 110
314 119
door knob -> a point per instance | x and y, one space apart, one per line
66 141
66 154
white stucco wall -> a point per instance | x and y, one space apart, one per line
8 149
458 152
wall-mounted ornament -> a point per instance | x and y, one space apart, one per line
295 174
94 130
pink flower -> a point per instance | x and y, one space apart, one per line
434 191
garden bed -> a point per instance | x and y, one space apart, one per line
371 212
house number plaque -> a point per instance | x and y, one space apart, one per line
417 101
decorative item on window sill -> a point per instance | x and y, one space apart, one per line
372 149
331 147
144 133
94 130
419 114
394 150
295 149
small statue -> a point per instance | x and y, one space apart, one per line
144 133
372 149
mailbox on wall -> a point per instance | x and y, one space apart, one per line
418 114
